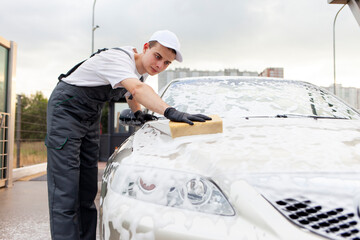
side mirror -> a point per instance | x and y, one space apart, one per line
127 118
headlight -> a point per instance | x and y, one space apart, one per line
171 188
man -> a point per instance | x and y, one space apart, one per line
73 119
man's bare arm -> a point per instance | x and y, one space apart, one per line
133 104
144 95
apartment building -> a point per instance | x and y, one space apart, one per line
350 95
273 72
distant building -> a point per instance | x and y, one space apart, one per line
167 76
350 95
273 72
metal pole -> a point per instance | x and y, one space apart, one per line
111 111
93 28
334 47
18 130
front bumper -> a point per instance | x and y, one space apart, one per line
126 218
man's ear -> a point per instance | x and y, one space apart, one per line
146 47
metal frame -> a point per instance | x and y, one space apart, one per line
9 116
4 156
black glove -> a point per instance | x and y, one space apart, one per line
144 117
177 116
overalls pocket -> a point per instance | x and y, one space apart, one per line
55 142
64 101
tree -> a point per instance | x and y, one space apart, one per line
33 116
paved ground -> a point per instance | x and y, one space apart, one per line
24 208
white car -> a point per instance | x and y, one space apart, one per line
287 166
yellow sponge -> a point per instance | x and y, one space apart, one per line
178 129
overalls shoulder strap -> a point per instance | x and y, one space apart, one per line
78 65
127 53
141 78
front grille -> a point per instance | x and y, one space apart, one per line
332 223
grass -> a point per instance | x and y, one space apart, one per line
30 153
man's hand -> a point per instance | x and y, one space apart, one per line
144 117
177 116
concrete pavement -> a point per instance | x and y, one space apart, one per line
24 208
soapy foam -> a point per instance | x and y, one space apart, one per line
270 153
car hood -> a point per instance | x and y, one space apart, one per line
255 145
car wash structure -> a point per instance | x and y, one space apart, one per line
116 133
7 109
354 6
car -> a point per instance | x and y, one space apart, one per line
286 166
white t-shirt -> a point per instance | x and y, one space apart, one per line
108 67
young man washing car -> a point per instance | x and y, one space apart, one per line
73 118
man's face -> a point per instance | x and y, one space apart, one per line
157 58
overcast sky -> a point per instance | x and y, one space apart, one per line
52 36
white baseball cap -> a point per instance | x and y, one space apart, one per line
168 39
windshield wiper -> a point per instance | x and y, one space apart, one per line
297 116
308 116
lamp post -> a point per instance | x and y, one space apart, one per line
334 47
93 28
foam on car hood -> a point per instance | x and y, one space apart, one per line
254 145
300 159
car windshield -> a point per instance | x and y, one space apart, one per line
255 97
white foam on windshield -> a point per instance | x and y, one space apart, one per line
254 97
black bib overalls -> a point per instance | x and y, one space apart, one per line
73 123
